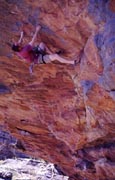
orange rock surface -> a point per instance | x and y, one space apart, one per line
62 113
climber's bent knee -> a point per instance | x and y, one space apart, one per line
42 46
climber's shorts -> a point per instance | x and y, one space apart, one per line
44 59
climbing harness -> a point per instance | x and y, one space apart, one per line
38 51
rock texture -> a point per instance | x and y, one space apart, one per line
63 114
29 169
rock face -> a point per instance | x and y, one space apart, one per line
63 114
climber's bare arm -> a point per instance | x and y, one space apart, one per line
35 35
21 37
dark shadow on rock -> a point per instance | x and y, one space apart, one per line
59 170
10 147
14 1
4 89
6 176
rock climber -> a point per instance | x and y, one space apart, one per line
37 55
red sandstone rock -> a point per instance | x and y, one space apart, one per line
62 114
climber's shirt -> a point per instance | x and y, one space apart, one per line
27 53
33 54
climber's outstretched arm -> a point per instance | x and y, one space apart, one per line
35 35
21 37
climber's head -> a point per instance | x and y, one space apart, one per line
16 47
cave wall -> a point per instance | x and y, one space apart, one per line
62 113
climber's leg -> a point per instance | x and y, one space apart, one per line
53 57
42 46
